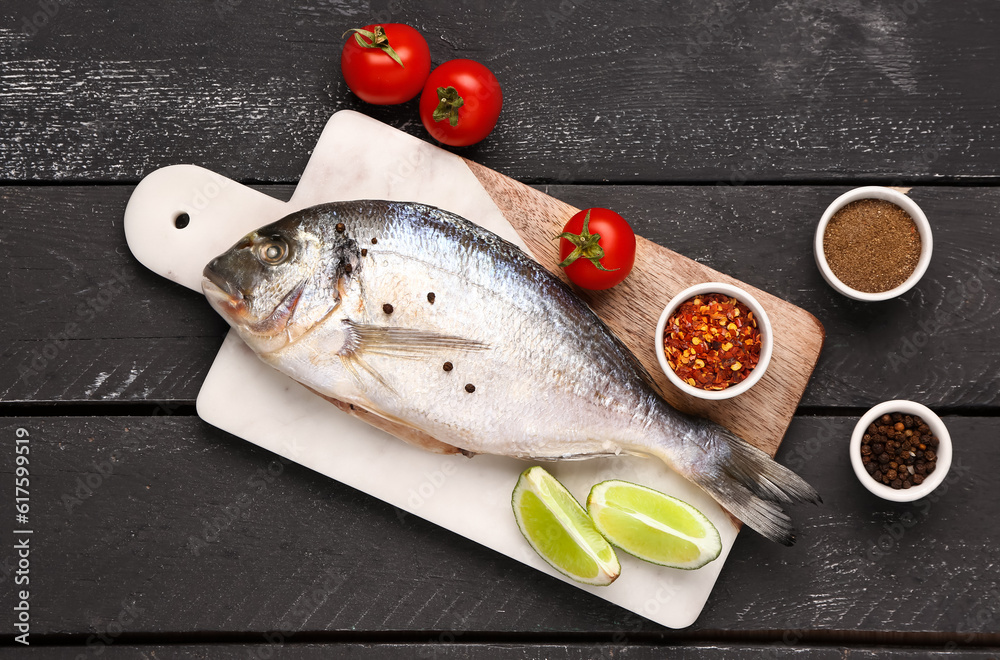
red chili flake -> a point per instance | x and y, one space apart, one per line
712 341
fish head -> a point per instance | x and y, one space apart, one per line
276 283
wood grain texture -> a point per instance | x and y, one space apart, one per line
155 341
206 533
632 310
728 91
519 651
613 94
88 322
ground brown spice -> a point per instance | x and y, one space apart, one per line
871 245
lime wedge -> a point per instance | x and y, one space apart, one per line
560 530
653 526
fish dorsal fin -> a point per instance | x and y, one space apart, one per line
404 343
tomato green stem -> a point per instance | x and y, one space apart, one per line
586 246
448 104
377 39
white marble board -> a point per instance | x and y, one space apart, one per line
470 497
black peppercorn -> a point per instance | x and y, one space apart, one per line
898 450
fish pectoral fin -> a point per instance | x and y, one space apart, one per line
354 364
404 343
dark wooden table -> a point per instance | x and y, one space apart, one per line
721 130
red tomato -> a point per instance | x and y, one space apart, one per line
461 103
372 73
604 247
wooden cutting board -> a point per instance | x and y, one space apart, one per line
468 496
762 414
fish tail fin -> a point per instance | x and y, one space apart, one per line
748 482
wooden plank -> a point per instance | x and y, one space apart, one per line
202 532
518 651
153 341
726 92
91 323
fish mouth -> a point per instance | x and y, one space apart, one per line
211 276
268 334
222 295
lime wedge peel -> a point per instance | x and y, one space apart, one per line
653 526
558 528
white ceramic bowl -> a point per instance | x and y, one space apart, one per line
943 451
889 195
763 324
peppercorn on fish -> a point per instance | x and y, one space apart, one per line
452 338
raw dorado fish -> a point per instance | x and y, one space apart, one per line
450 337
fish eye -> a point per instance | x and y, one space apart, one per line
272 251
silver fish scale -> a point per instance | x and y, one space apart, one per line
550 358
